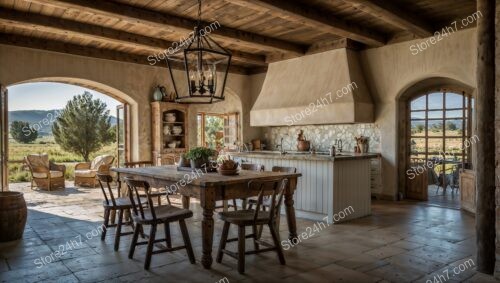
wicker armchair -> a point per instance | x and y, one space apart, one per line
86 172
44 173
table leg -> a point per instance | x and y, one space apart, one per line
185 202
207 226
290 210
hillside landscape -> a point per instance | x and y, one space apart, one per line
37 117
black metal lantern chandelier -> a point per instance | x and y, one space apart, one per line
201 58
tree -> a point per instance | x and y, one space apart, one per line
22 132
451 126
420 128
84 126
213 126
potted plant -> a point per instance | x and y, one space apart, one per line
184 161
199 156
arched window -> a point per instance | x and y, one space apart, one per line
440 130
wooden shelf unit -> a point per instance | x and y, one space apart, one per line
162 153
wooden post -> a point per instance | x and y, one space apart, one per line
485 167
497 138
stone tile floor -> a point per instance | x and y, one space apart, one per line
400 242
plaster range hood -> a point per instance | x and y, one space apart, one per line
323 88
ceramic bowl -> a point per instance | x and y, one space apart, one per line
172 144
177 130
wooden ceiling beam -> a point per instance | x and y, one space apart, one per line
327 45
390 13
134 15
315 18
75 49
67 27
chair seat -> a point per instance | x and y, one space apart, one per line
120 203
53 174
164 213
86 173
244 217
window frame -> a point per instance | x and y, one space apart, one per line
467 107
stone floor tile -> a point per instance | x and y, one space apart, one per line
399 242
396 273
333 273
385 252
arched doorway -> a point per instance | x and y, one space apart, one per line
436 141
117 103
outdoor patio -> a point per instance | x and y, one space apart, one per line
400 242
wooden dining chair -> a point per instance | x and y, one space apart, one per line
250 167
155 215
266 203
243 218
148 163
110 203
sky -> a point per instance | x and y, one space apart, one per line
436 101
49 96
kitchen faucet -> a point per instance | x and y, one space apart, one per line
244 145
339 144
282 151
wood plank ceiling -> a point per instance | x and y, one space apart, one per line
255 31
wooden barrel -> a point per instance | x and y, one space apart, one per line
13 214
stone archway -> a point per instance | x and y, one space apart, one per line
402 114
102 88
106 90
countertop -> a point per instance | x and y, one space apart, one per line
305 156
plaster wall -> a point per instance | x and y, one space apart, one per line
391 70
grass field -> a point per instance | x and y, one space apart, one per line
17 152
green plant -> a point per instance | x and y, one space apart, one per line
200 153
84 126
22 132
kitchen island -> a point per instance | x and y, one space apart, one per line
335 187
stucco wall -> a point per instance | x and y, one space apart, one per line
391 70
128 82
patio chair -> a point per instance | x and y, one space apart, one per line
44 173
86 172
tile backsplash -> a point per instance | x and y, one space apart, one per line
324 136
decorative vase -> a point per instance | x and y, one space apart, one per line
363 148
303 145
159 93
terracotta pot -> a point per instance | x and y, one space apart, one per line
303 145
13 214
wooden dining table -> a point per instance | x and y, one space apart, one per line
211 187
